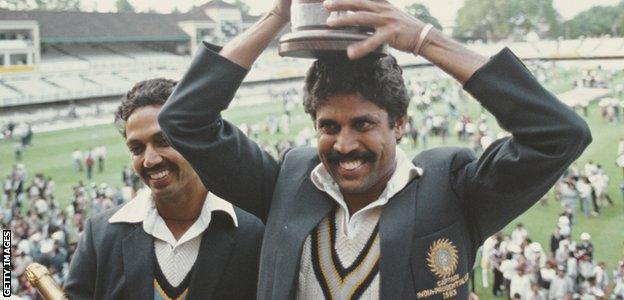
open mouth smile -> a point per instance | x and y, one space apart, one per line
351 165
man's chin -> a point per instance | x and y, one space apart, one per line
351 188
161 193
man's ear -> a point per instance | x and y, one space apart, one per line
399 127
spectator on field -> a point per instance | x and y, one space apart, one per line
585 246
519 234
7 187
561 286
563 252
619 160
486 253
496 258
520 283
89 162
545 276
618 277
99 154
19 149
590 168
568 197
600 182
602 275
77 160
584 189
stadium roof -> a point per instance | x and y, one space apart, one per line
93 27
215 4
86 27
198 11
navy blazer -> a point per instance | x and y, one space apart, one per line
116 260
430 230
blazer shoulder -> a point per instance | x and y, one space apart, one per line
247 221
451 158
250 229
101 228
298 153
299 159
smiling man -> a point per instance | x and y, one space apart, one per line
179 241
355 218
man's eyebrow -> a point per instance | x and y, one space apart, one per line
364 118
323 121
157 135
131 141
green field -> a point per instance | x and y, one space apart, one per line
51 155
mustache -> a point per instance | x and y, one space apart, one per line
335 157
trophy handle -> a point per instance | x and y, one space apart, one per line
40 278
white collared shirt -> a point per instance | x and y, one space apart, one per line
404 172
175 257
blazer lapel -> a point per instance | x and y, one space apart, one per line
138 261
214 255
309 208
395 228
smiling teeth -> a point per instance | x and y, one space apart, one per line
159 175
351 165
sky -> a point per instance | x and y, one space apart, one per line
444 10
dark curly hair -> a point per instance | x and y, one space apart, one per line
144 93
379 80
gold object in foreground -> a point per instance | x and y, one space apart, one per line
40 278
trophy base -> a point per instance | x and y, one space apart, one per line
322 43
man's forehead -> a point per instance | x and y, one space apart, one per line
137 130
351 102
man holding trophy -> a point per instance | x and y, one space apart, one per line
356 218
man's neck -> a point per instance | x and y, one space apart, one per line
358 201
181 212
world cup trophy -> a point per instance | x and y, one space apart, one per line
310 37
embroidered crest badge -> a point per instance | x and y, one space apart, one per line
442 258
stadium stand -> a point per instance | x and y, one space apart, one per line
69 55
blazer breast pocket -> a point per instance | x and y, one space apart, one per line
439 264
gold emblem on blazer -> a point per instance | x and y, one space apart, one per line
442 258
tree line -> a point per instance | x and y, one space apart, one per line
493 20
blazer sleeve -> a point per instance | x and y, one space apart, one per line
80 282
229 164
515 172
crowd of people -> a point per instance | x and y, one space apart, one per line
45 232
566 268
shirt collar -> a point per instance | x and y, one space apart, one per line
404 172
138 209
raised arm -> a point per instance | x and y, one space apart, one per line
403 32
513 173
230 164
